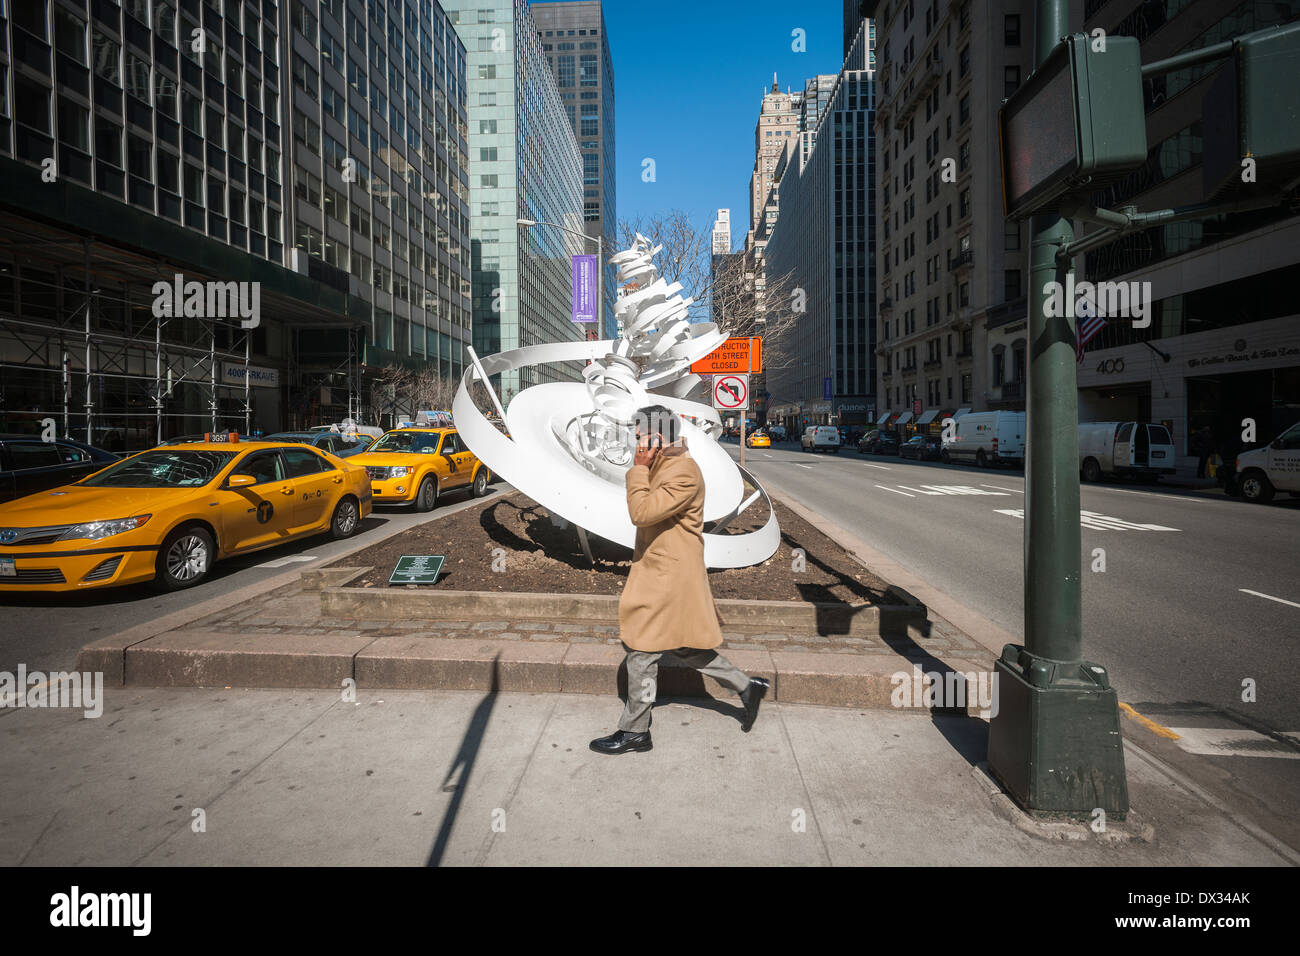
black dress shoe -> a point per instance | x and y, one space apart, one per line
621 742
750 697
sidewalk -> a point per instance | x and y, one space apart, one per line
464 778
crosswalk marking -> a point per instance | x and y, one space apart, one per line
1096 522
903 493
1014 491
1232 742
950 490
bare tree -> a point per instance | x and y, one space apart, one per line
390 387
728 289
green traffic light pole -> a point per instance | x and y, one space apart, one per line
1055 740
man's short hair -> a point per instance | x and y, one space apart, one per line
659 420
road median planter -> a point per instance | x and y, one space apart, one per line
745 616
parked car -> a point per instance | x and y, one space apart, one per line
169 514
777 432
879 441
416 466
29 465
1262 472
987 438
331 442
921 447
1129 449
821 438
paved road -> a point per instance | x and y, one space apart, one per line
1170 618
45 631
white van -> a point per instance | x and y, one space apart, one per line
1276 467
1128 449
987 438
821 438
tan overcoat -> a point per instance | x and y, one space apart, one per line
667 603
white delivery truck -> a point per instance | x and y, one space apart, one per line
987 438
1273 468
1124 449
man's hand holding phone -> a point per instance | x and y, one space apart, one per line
647 447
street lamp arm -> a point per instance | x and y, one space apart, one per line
529 223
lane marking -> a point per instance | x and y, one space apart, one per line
903 493
291 559
809 467
1146 722
1232 742
1268 597
881 467
1014 491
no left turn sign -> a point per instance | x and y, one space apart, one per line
731 392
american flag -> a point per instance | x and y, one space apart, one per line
1089 324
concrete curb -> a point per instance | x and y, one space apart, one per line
413 662
398 604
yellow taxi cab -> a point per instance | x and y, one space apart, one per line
759 440
417 465
167 515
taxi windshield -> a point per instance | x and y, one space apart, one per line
421 443
163 468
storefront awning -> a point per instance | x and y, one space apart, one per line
960 412
928 416
884 418
904 418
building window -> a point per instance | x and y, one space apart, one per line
1011 284
1012 79
1012 237
998 365
963 61
1011 29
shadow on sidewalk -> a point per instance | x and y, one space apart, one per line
464 759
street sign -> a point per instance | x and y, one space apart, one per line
584 288
741 354
416 569
1076 124
826 388
731 392
916 407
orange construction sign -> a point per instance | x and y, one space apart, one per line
742 354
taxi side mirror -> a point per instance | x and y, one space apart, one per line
240 481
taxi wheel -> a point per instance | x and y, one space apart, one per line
481 483
346 520
184 559
427 496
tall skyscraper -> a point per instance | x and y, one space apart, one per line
576 45
722 233
950 266
315 151
778 121
824 240
524 164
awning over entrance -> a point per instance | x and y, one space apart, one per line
960 412
884 418
904 418
928 416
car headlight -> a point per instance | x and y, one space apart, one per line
94 530
399 472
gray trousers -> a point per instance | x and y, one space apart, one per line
643 680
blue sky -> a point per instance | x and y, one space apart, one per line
689 79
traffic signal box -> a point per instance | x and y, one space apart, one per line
1076 124
1252 112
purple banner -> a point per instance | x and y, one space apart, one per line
584 288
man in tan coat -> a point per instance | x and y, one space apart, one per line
667 606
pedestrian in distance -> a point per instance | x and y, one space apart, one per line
1203 448
666 606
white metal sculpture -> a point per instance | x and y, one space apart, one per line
570 443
